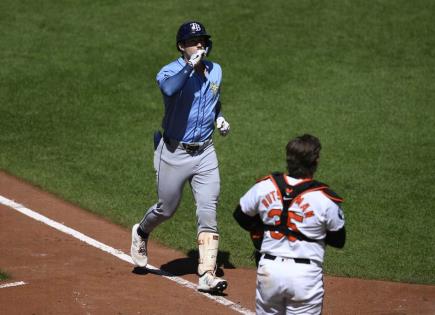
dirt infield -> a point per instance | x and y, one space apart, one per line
63 275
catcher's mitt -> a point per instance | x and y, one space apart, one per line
257 240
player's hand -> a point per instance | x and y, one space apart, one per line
196 57
223 126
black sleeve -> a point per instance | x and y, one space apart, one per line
247 222
218 110
173 84
336 238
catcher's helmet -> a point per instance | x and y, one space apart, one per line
192 29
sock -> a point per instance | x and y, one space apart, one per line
142 233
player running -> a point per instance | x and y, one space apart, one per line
295 217
191 94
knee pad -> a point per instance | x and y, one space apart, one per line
208 244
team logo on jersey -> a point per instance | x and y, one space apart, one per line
214 87
195 27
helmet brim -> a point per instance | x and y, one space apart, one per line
206 36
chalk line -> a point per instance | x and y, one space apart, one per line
117 253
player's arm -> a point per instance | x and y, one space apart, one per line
335 230
172 84
336 238
221 123
169 85
255 226
247 222
218 109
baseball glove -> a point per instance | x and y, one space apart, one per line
257 240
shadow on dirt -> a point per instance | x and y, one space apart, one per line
189 264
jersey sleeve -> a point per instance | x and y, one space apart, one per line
249 201
163 74
334 218
170 81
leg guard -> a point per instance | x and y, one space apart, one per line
208 244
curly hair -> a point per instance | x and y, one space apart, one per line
303 154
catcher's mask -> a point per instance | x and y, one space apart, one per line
192 29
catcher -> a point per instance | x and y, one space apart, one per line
291 218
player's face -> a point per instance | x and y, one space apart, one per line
192 45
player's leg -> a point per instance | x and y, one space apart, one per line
172 170
304 309
206 188
270 293
308 289
205 184
174 166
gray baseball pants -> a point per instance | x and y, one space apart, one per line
174 167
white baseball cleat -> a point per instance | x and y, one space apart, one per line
138 249
212 284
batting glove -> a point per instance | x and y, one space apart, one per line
223 126
196 58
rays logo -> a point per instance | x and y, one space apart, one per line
195 27
214 88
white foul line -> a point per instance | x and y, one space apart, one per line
12 284
117 253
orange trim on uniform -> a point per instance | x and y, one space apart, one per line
263 178
277 188
332 197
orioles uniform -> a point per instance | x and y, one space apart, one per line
290 274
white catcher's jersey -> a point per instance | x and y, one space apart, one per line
311 213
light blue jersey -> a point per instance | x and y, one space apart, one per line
191 100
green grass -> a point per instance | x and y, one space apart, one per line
79 103
3 275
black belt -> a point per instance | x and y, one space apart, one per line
297 260
188 147
191 147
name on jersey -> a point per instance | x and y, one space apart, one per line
293 217
299 200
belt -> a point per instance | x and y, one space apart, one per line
297 260
189 147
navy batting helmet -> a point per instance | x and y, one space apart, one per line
193 29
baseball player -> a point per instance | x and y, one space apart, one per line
185 152
296 217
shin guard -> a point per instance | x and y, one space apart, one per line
208 244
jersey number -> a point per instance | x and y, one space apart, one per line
291 216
